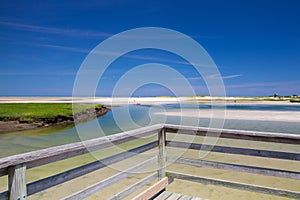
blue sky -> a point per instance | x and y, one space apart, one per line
255 44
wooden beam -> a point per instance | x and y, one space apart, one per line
234 134
111 180
236 150
161 154
236 185
239 168
17 182
153 190
49 155
133 188
56 179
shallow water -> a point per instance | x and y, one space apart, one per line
130 117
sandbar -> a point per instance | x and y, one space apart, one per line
284 116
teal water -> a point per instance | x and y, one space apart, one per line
24 141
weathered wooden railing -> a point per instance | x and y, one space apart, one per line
15 166
240 135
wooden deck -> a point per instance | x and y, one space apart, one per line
174 196
15 167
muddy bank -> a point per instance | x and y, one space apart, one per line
9 125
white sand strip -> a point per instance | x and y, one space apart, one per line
284 116
137 100
101 100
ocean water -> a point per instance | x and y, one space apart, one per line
124 118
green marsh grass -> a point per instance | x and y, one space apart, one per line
32 111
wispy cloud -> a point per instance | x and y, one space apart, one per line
115 53
54 30
95 34
212 77
215 76
36 73
232 76
85 33
65 48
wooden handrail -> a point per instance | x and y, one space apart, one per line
234 134
16 166
236 150
53 154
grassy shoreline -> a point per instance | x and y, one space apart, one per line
34 111
23 116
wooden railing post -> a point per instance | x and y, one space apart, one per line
17 182
161 154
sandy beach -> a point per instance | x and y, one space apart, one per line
284 116
103 100
145 100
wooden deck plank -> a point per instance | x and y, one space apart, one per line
153 190
174 196
185 197
163 195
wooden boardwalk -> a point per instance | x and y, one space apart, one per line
15 167
174 196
